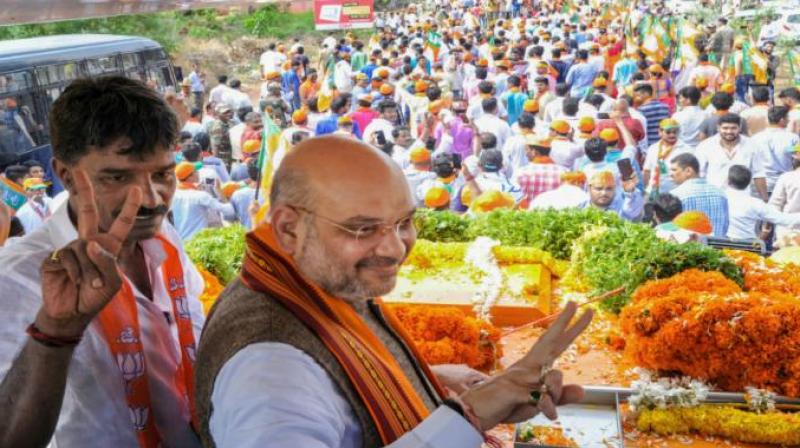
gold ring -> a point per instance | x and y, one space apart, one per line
54 256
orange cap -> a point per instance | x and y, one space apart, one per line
656 68
421 86
560 126
574 177
228 188
531 106
586 124
386 89
727 88
420 155
383 73
599 82
603 179
535 140
701 82
251 146
468 57
300 116
695 221
492 200
610 135
184 170
34 183
272 75
483 62
436 106
437 197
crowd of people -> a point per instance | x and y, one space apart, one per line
459 106
494 104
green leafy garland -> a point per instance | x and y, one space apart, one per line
219 250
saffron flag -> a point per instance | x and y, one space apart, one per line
434 43
270 139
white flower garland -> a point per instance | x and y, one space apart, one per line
665 393
480 255
760 401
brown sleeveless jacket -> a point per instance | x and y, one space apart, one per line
242 317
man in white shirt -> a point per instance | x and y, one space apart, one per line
786 196
91 371
343 75
271 389
194 208
570 194
217 94
657 177
690 117
271 60
491 123
38 207
773 144
385 123
718 153
235 98
746 212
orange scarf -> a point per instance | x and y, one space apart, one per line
184 185
119 321
394 405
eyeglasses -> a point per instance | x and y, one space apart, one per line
370 234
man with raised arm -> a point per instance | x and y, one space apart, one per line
300 351
99 312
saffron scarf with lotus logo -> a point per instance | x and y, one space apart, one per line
391 400
119 321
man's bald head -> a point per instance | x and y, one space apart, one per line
344 212
320 168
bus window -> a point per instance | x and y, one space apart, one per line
132 64
14 82
161 76
57 74
101 66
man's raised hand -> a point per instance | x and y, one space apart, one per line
78 280
506 397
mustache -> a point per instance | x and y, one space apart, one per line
146 212
377 262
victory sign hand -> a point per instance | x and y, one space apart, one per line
530 385
79 279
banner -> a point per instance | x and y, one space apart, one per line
343 14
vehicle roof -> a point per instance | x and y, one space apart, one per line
21 53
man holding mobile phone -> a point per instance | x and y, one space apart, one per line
603 195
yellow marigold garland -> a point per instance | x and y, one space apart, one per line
446 335
427 255
723 421
212 290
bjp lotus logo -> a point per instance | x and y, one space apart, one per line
182 305
127 336
139 417
132 366
175 284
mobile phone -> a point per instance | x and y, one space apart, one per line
381 137
625 168
209 181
